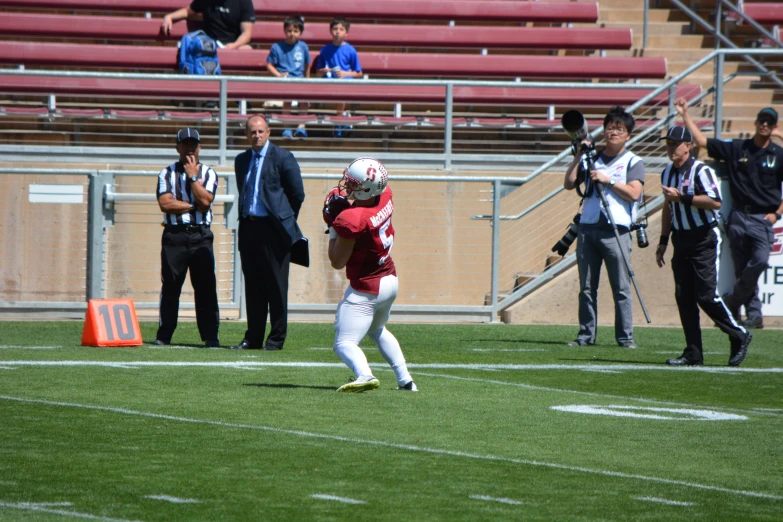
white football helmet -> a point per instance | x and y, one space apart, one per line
364 178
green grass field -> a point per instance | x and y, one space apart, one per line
510 424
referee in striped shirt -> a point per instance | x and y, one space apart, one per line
185 193
691 217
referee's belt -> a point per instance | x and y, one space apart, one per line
750 209
190 229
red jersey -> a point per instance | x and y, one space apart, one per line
372 229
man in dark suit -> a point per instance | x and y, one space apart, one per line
270 196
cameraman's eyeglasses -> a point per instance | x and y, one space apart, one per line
615 130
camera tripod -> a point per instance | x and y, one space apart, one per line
587 167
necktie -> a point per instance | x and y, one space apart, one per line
250 185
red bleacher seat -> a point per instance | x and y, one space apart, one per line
25 111
187 116
467 10
80 113
317 34
764 13
391 64
339 92
133 114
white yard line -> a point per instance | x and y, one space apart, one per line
344 500
174 500
405 447
501 500
41 509
665 501
434 366
757 411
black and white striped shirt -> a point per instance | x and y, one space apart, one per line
693 178
173 180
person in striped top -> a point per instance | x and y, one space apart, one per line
185 193
691 217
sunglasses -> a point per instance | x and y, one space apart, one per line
768 121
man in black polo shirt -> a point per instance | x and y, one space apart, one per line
691 216
185 193
755 168
230 22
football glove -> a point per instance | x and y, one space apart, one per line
336 201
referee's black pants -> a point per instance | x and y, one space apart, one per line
695 266
188 247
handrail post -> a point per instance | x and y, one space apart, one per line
717 98
495 248
223 112
646 23
672 110
449 126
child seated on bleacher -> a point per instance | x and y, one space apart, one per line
290 58
338 59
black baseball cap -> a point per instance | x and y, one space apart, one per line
768 113
679 133
188 134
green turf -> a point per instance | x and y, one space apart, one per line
480 441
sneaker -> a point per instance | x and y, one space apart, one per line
288 133
360 385
212 344
158 342
580 342
628 344
739 355
753 324
410 386
300 132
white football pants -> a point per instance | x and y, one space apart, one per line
360 314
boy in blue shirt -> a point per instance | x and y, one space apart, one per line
290 58
339 60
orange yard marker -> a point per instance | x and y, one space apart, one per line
111 322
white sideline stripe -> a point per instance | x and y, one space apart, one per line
508 350
37 507
673 353
6 368
407 447
338 499
759 411
501 500
665 501
435 366
174 500
19 346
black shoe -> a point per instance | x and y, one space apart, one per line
683 361
272 347
158 342
738 355
244 345
753 324
580 342
212 344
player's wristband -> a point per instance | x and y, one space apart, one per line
686 198
332 233
663 241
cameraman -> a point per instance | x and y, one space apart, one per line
620 173
691 215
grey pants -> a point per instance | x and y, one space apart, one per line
750 239
594 247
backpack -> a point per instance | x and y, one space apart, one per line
198 54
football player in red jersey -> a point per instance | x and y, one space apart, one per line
361 236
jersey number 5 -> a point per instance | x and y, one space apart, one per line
387 240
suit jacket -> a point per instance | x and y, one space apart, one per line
280 186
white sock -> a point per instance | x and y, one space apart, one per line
391 351
354 358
